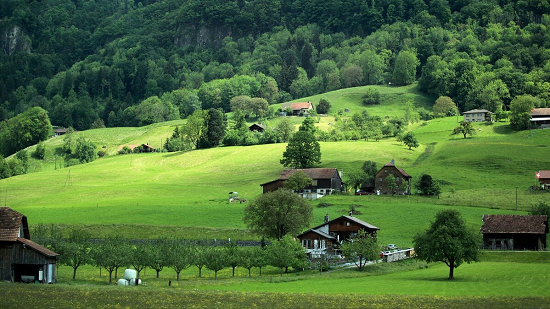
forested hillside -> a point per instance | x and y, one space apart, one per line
94 63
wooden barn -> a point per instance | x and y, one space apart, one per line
402 179
330 234
22 260
258 127
325 181
514 232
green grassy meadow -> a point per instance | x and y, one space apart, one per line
185 194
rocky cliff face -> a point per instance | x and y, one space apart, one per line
14 40
205 36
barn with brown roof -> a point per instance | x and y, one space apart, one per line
325 181
402 179
22 260
514 232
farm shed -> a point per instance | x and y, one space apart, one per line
540 117
514 232
258 127
402 179
544 179
325 181
332 233
22 260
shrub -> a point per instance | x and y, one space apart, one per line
371 96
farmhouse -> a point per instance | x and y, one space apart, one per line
142 148
514 232
297 108
258 127
544 179
402 179
22 260
325 181
540 117
330 234
477 115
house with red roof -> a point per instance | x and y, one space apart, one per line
21 259
297 108
543 177
402 180
514 232
325 181
540 117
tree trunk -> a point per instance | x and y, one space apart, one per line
451 272
200 272
158 271
177 276
74 272
249 273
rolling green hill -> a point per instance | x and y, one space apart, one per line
188 191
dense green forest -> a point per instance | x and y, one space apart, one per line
95 63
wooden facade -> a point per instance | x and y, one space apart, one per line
329 235
514 232
325 181
402 179
22 260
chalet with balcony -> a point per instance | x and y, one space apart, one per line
297 108
328 236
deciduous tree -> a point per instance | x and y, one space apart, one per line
360 249
410 140
303 150
465 128
278 213
447 240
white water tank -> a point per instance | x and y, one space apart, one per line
130 274
40 275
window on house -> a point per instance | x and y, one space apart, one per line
385 171
315 244
306 243
347 223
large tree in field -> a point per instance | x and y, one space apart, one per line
193 129
448 240
465 128
278 213
303 150
410 140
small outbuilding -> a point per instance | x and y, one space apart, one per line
540 117
514 232
258 127
21 259
543 178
